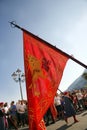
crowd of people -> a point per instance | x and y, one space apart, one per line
65 105
13 116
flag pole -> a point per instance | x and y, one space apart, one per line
60 91
13 24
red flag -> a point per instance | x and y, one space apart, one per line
43 70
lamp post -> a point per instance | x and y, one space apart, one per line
18 76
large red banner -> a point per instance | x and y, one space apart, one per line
43 71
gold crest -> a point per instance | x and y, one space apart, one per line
36 71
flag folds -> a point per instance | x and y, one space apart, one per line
44 67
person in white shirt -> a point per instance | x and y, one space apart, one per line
21 111
57 102
80 99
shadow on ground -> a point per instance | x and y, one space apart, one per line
64 127
84 114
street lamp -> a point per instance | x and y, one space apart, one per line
18 76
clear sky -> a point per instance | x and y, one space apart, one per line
60 22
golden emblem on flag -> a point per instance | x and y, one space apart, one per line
36 72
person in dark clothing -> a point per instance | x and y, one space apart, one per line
2 125
69 110
50 115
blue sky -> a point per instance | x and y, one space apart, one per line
60 22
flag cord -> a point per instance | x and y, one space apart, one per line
13 24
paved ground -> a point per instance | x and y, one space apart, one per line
61 125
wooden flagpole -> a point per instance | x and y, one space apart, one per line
67 55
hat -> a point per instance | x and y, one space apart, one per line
1 103
65 93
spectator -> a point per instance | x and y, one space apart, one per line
21 108
51 114
75 101
13 114
2 125
57 102
18 114
69 110
80 99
